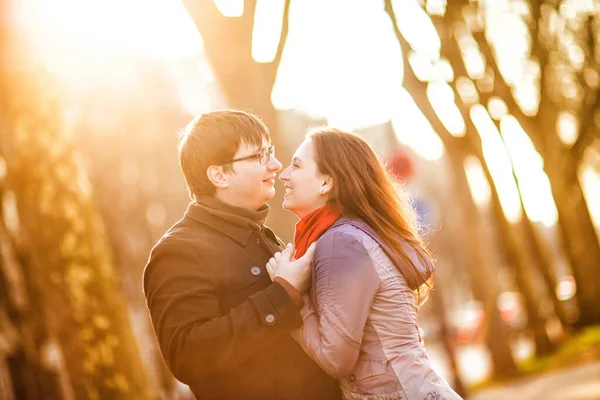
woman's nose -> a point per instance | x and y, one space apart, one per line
284 175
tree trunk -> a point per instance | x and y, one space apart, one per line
482 280
245 83
577 233
447 341
516 257
543 261
22 328
74 278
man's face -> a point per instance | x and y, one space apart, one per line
251 184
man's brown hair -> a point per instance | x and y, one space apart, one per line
213 139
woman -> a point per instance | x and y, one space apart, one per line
370 271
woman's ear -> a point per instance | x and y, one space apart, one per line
217 176
327 185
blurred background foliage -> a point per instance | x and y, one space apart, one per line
486 109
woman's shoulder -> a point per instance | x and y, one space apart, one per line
343 237
344 230
344 249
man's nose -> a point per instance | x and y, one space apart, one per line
274 164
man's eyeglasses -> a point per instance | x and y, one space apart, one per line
263 157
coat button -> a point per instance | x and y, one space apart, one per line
255 270
270 318
351 378
257 240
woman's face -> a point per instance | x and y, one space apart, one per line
306 189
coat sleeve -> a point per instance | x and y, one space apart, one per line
344 285
195 338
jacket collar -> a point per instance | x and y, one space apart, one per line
234 222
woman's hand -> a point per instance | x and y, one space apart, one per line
272 265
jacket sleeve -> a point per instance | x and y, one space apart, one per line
195 338
344 285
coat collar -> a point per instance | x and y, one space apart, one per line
234 222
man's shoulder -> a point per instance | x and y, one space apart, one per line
183 244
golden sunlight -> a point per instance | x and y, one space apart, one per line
590 182
230 8
529 169
498 163
497 107
414 130
567 127
441 97
418 29
421 65
267 29
478 185
322 60
163 30
473 59
467 91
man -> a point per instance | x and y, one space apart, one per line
222 326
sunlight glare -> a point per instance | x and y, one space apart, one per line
565 288
472 18
567 127
497 107
267 29
529 168
527 96
421 66
467 91
443 70
590 183
418 29
473 59
230 8
436 7
413 129
478 185
498 163
164 30
441 97
509 37
322 83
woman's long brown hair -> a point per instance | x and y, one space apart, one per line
363 189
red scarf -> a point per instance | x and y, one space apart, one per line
312 226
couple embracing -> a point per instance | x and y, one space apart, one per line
239 316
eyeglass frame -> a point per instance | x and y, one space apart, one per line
270 151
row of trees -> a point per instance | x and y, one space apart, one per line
71 266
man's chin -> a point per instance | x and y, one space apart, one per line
269 195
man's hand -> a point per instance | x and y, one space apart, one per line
296 272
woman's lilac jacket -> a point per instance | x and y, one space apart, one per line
360 319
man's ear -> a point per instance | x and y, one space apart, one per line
217 176
327 185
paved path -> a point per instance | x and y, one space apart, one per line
578 383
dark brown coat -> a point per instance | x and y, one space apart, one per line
223 327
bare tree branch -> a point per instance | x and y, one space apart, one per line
414 86
274 65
